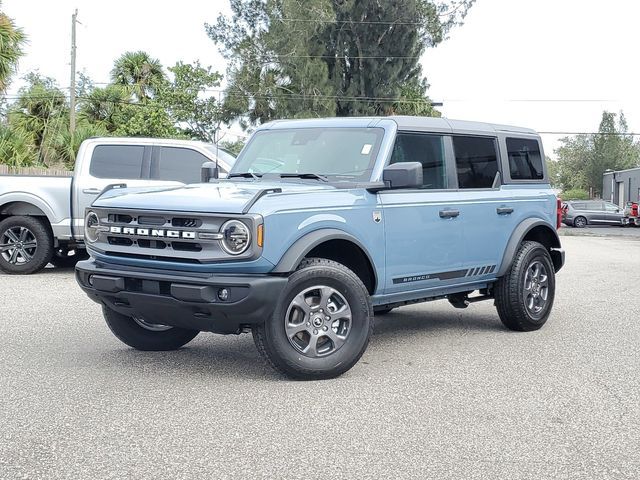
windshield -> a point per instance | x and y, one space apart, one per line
341 152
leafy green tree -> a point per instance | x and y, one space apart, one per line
40 112
139 74
294 58
189 101
233 147
145 120
583 159
12 40
16 148
102 106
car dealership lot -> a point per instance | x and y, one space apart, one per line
440 392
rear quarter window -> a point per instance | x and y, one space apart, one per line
117 161
525 159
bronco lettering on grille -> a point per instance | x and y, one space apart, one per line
145 232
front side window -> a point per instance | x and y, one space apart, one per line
117 161
610 207
426 149
347 153
525 160
178 164
476 161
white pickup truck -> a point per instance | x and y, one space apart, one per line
42 218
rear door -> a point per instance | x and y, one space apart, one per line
596 212
423 234
488 214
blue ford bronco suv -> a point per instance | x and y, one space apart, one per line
322 224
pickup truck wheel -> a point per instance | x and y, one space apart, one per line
63 258
321 325
524 295
26 245
144 335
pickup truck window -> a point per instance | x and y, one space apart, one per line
178 164
476 161
343 152
426 149
525 161
117 161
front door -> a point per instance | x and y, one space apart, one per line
423 234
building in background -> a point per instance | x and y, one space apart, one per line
622 186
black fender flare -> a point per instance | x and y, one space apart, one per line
518 235
301 247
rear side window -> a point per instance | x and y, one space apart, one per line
426 149
117 161
476 161
525 160
178 164
595 206
579 206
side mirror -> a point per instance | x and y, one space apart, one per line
208 171
403 175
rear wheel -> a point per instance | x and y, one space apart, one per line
524 295
143 334
26 245
580 222
321 325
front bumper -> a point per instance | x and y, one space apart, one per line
182 301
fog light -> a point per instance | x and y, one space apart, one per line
223 294
90 280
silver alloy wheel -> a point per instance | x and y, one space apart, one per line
580 222
154 327
18 245
536 288
318 321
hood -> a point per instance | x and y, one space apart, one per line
232 197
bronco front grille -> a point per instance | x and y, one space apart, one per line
167 236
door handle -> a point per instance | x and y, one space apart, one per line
449 213
92 191
504 210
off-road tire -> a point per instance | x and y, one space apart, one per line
132 334
274 345
510 289
62 259
43 251
580 222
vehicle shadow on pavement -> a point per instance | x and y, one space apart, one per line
236 357
398 323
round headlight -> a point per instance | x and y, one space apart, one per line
236 237
91 222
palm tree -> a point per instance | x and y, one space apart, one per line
102 105
12 39
138 73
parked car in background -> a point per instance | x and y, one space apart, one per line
42 218
580 213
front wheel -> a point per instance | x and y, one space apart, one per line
145 335
524 295
321 325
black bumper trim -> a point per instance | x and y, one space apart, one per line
181 301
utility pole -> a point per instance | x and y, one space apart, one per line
72 88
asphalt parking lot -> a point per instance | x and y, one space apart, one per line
440 393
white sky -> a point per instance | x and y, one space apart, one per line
583 52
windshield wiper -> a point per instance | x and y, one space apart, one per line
314 176
244 175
